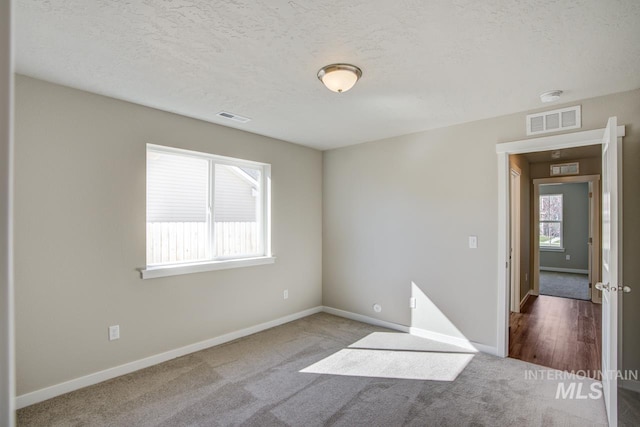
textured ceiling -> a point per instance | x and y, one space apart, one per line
425 64
565 155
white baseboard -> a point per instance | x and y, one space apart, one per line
366 319
633 385
107 374
486 349
448 339
436 336
565 270
524 300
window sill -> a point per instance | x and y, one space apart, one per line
176 270
543 249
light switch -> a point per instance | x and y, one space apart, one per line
473 242
114 332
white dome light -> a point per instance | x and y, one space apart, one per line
339 77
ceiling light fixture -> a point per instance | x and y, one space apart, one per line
339 77
550 96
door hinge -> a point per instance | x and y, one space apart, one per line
590 286
590 195
506 264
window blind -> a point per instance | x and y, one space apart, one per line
177 188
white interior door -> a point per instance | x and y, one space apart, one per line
610 269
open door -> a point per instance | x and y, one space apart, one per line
610 269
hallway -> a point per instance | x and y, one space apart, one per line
558 333
566 285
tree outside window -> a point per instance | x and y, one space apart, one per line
551 221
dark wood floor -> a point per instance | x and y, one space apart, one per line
558 333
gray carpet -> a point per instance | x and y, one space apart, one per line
566 285
256 381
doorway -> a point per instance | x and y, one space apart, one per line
556 324
610 141
567 246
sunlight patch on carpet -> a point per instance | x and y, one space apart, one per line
415 365
407 342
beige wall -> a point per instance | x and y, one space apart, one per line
400 210
80 235
525 223
6 282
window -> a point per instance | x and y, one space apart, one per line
204 210
551 221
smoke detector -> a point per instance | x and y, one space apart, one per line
550 96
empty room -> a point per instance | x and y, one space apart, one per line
313 213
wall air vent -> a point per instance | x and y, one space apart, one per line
554 120
234 117
565 169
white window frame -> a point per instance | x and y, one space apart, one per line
264 220
548 248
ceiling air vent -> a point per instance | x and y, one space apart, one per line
565 169
234 117
554 120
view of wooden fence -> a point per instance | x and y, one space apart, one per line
175 242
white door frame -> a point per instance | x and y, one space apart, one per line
7 358
554 142
594 229
514 265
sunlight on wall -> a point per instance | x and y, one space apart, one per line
429 321
434 350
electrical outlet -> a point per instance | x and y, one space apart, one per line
568 257
473 242
412 302
286 294
114 332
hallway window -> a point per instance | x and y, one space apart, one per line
551 221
